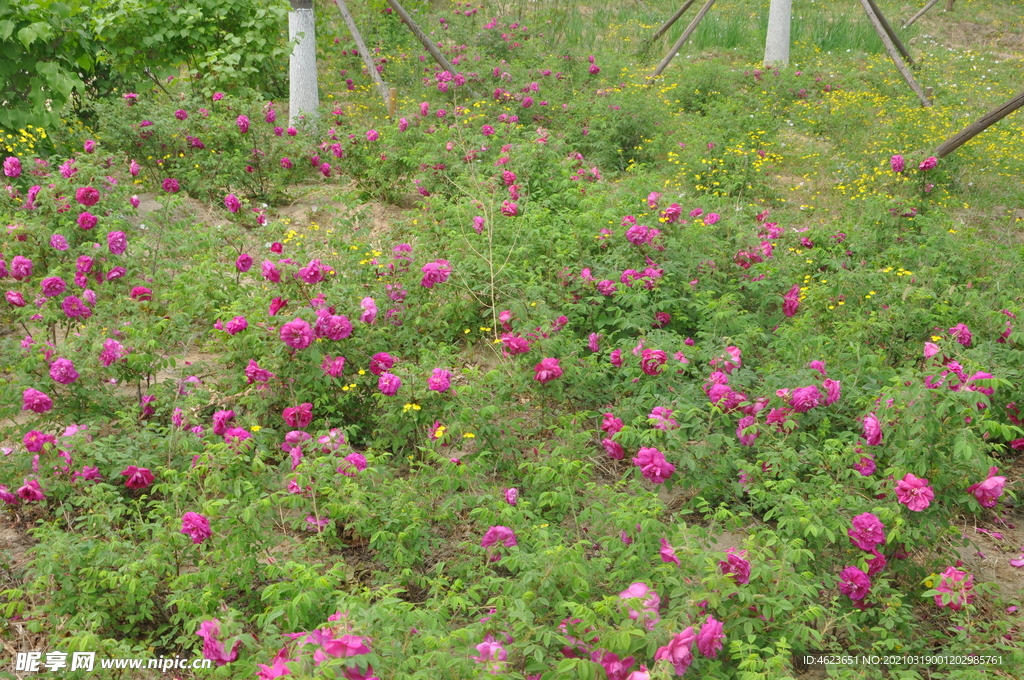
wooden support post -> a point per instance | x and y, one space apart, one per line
675 17
363 52
989 119
392 101
682 39
891 33
920 13
949 7
894 54
426 41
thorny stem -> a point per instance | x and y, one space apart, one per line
489 258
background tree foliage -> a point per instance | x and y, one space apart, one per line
234 44
45 51
53 52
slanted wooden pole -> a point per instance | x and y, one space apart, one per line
920 13
426 41
363 52
682 39
895 55
675 17
891 33
975 128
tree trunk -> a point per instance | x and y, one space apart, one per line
776 46
304 97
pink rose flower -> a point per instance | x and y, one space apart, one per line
435 272
196 527
803 399
866 531
613 449
12 167
709 639
791 300
955 588
298 416
388 384
35 401
253 373
668 553
962 334
833 388
30 491
872 430
547 370
744 424
914 492
988 492
213 648
854 583
138 478
653 465
63 371
381 362
297 334
652 360
678 651
736 565
440 380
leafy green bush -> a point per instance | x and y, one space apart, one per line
46 51
234 45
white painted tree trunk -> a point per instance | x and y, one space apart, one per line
304 97
776 48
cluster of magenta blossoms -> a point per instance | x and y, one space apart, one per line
867 533
333 641
641 603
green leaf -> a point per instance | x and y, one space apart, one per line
27 36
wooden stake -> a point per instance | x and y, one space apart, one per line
363 52
975 128
891 33
894 54
682 39
920 13
949 7
675 17
427 43
392 101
